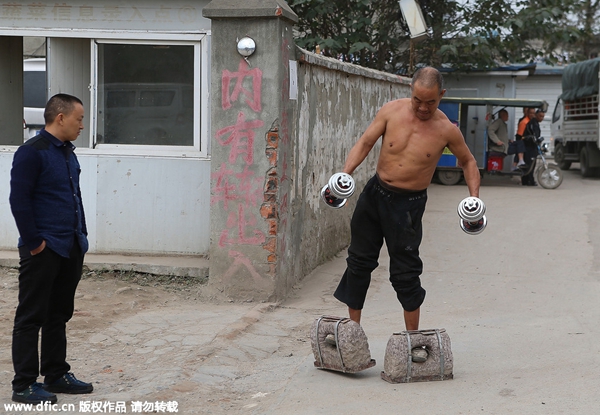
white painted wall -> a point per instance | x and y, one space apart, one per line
133 204
148 201
546 87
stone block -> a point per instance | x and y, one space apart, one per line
350 354
399 367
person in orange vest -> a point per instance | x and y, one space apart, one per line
519 145
530 135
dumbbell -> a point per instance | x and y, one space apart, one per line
336 192
471 211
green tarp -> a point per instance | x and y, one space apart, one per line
580 80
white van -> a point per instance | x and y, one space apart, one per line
34 95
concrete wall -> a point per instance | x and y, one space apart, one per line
251 158
337 102
278 135
34 47
85 15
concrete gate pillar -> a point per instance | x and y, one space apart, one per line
252 106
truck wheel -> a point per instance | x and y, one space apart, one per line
584 163
449 177
559 157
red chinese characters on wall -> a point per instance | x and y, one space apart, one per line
253 96
240 138
235 186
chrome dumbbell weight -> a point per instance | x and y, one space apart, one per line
336 192
471 211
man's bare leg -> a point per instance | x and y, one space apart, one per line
521 161
354 314
411 319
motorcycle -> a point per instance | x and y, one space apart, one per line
548 175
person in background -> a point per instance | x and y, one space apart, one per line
530 134
519 145
498 133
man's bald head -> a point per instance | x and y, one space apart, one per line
429 77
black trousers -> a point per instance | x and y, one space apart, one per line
394 215
47 284
530 157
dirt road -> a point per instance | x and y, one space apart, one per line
519 301
147 340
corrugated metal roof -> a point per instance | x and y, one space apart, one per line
500 102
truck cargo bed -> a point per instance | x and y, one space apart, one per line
581 119
585 130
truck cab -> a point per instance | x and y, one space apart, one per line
556 133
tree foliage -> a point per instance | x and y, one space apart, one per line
465 34
349 30
586 18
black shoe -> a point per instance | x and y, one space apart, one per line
532 184
68 383
34 394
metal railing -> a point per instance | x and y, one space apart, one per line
585 108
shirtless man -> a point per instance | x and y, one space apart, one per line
392 203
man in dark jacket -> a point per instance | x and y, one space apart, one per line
45 200
531 133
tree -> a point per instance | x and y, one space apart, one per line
586 18
348 30
511 32
465 35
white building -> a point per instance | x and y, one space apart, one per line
142 70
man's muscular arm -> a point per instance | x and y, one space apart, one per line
458 147
365 143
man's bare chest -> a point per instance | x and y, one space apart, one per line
422 143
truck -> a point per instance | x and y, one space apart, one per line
575 127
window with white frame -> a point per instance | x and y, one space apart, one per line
148 94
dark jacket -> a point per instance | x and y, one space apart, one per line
532 131
45 197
